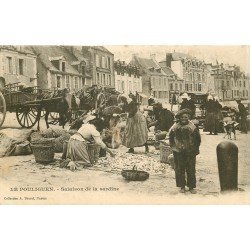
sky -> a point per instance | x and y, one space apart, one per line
239 55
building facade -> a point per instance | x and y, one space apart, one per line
190 70
229 82
154 79
101 65
127 78
17 65
57 69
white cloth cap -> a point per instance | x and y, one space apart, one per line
89 118
185 95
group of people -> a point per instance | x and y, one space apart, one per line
184 136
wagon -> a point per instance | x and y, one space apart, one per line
24 101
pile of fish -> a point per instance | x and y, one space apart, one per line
146 162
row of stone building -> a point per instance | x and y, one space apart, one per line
77 67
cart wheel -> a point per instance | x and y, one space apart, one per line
26 116
100 100
54 115
2 109
34 111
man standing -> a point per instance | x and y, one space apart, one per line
243 117
184 139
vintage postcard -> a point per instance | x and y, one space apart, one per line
124 124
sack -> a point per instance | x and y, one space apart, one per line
22 149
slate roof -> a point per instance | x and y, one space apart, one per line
101 48
149 65
44 53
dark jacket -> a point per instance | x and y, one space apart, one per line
188 104
165 120
185 138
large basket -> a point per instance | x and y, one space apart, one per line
135 175
43 150
165 151
94 151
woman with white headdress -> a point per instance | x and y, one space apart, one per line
77 151
136 131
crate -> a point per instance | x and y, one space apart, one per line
165 151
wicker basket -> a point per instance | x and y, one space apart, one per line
135 175
165 151
94 151
43 150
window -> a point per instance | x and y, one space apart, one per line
176 86
76 83
199 87
191 77
199 77
83 81
10 66
246 93
243 93
98 78
232 94
238 92
244 84
104 79
165 82
109 63
180 87
83 69
63 66
171 86
103 62
20 64
58 82
109 79
153 82
191 87
67 82
97 61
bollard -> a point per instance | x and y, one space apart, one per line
227 158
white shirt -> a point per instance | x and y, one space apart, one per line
88 132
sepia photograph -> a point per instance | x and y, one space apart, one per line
124 124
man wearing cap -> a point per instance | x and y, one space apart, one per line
184 139
243 117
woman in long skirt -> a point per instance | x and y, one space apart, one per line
136 131
77 151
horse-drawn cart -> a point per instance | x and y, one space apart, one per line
22 101
26 102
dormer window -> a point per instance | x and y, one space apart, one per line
63 66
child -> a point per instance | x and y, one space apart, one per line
184 139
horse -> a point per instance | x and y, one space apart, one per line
59 102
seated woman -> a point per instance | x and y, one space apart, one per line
77 150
